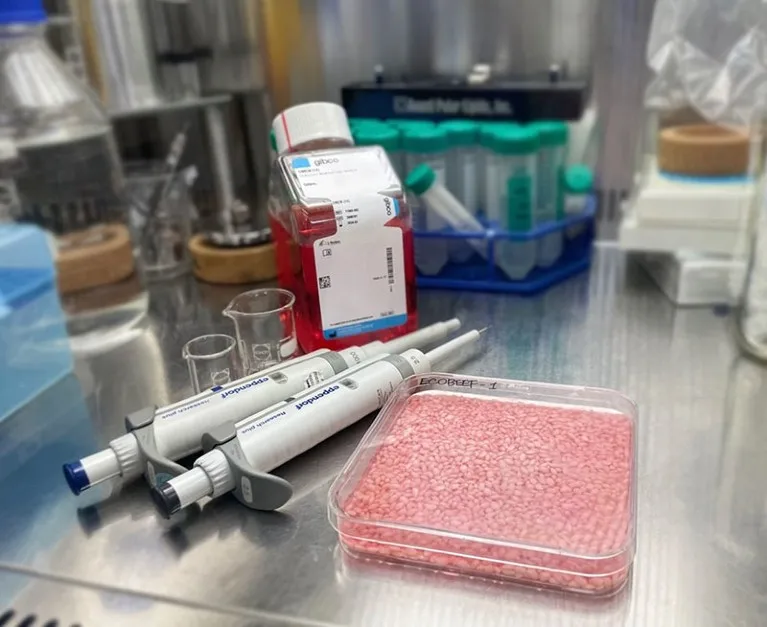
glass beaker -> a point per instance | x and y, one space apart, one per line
212 360
265 327
161 212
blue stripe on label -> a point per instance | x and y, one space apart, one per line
711 180
217 388
365 327
396 206
300 162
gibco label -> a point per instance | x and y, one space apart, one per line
332 174
360 268
316 397
243 387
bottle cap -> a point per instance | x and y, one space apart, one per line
515 141
424 139
22 12
552 132
460 132
420 179
309 122
386 137
579 179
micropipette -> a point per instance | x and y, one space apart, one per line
240 458
157 437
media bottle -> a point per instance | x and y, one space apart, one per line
342 230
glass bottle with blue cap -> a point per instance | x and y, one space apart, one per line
72 182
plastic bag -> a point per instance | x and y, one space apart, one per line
711 55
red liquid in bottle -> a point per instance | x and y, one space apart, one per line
297 272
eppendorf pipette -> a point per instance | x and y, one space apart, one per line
157 437
240 458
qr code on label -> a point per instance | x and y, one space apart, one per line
324 282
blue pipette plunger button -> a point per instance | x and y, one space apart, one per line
76 477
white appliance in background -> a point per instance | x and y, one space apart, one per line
689 278
667 213
670 200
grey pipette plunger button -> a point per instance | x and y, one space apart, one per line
166 500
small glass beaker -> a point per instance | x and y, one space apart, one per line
161 216
265 327
212 360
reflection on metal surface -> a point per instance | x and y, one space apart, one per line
428 38
54 424
72 605
741 505
700 558
424 598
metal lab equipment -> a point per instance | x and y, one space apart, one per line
425 39
234 62
178 33
119 52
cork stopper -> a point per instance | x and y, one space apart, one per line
703 150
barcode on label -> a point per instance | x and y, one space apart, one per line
390 265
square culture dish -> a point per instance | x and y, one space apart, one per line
496 478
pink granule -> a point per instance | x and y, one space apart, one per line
553 480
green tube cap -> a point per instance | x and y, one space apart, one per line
360 122
386 137
515 141
405 124
460 132
420 179
487 131
579 179
424 139
552 132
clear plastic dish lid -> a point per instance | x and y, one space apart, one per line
496 478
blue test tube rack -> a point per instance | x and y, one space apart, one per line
482 275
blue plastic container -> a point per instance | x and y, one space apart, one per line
34 348
481 275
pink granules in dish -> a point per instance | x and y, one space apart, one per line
539 493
